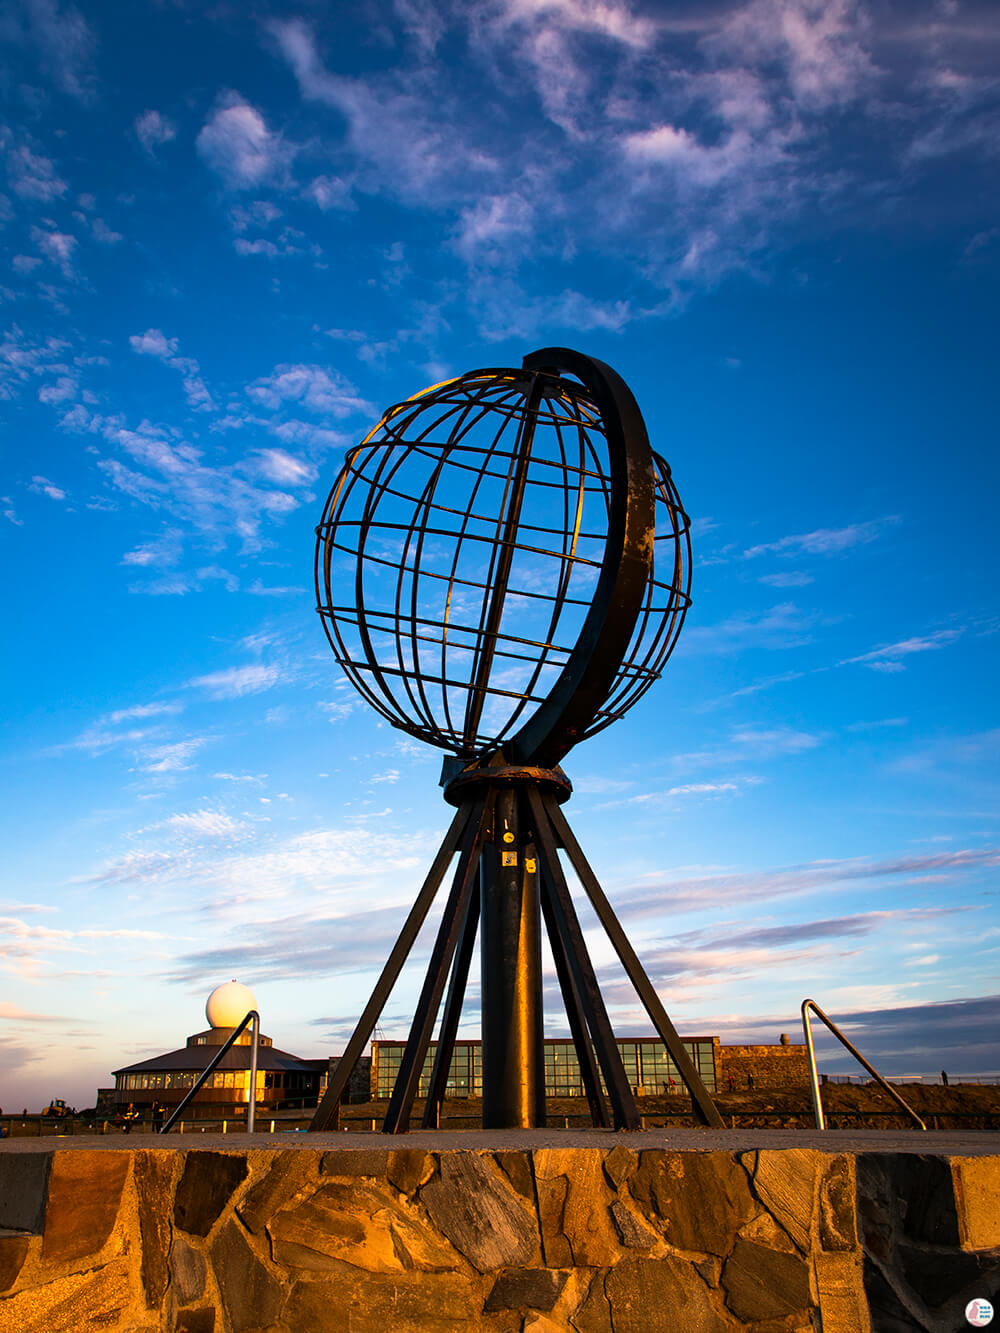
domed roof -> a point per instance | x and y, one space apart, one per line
229 1004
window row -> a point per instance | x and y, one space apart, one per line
648 1068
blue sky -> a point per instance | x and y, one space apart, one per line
233 235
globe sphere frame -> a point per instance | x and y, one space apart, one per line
423 596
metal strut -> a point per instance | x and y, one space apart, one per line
509 879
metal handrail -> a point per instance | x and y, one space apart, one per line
202 1079
814 1077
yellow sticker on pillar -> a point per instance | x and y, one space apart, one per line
508 858
530 864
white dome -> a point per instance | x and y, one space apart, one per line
229 1004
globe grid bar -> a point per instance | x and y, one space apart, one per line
503 567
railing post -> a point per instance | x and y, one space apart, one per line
813 1076
252 1105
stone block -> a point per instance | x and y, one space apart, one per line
91 1302
479 1212
573 1208
365 1225
762 1283
633 1233
24 1185
620 1165
526 1288
516 1166
976 1184
206 1186
13 1252
153 1173
838 1230
697 1200
196 1321
187 1271
785 1183
662 1296
357 1302
251 1296
842 1304
279 1177
593 1315
85 1189
409 1168
541 1323
351 1162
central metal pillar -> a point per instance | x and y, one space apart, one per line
511 943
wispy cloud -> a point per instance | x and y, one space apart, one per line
888 657
825 541
704 891
782 626
234 682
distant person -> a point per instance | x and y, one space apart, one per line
750 1082
732 1083
944 1078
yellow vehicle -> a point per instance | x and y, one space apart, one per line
57 1107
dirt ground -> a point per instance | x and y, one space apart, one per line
846 1106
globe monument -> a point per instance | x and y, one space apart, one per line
503 567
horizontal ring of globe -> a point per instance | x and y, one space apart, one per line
451 626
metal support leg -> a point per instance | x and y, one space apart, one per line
397 1119
577 1023
701 1100
327 1114
513 1058
452 1014
626 1114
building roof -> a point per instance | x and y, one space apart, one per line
237 1057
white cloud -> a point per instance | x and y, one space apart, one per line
887 657
826 541
317 388
153 130
33 176
281 467
103 234
794 578
43 486
205 823
61 391
164 550
64 44
171 757
154 342
57 247
236 143
235 682
142 710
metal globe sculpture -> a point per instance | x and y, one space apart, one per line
503 567
470 558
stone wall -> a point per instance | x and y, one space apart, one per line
768 1066
379 1240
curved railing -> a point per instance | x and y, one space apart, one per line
814 1077
202 1079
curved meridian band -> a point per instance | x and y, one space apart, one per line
583 685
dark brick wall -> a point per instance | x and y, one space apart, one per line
769 1067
